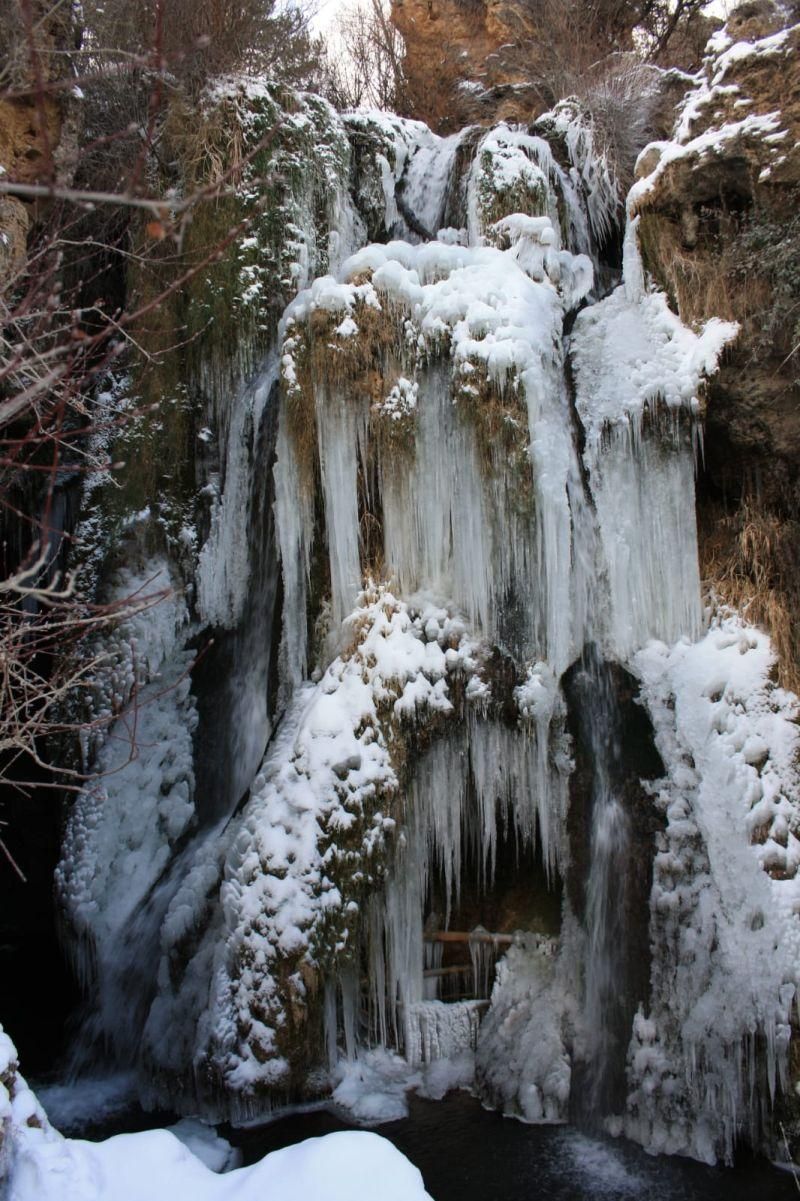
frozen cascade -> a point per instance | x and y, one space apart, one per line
428 178
236 726
453 807
446 559
434 1030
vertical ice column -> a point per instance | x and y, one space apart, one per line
643 487
294 521
339 418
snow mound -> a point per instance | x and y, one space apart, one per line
157 1166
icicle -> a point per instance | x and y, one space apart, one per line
294 519
338 439
435 1030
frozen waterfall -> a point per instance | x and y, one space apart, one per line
492 711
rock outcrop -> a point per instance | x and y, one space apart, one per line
720 232
463 61
38 118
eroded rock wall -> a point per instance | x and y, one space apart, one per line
720 233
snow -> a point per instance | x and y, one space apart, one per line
711 89
630 353
209 1147
522 1061
190 1160
725 936
713 141
373 1086
157 1166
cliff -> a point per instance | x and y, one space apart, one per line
719 228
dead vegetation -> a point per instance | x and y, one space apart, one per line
750 561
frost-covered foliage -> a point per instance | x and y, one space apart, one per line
724 928
554 171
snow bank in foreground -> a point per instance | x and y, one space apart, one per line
38 1164
156 1166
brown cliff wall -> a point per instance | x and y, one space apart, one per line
720 231
464 61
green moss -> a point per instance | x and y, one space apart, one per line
501 193
288 160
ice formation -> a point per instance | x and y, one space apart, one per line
467 503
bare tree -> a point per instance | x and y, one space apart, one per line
363 63
79 204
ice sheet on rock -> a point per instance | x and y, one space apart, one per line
533 243
643 489
338 437
416 168
638 372
589 190
223 569
123 825
294 519
706 1061
630 354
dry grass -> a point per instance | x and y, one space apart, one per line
751 561
210 148
695 279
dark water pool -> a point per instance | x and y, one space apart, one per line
466 1153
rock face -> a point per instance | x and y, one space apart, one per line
720 233
463 60
37 121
